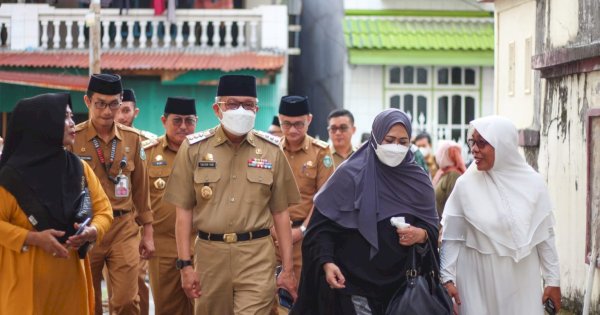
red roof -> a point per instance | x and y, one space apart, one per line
47 80
151 60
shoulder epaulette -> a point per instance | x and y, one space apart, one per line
148 134
199 136
320 143
126 128
267 136
149 143
81 126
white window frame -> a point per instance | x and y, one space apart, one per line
390 85
428 109
464 125
461 86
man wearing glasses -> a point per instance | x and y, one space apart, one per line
115 154
179 121
341 129
311 163
230 185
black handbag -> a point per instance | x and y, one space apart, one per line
83 203
423 292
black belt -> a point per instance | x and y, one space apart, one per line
297 223
118 213
233 237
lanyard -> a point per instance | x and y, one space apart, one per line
108 165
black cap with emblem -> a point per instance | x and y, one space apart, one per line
293 106
107 84
237 85
128 95
180 106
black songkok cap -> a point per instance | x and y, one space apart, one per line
128 95
276 121
180 106
107 84
237 85
293 105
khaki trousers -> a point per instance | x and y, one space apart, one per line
119 252
235 278
165 281
143 290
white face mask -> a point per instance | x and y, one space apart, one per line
239 122
425 151
391 154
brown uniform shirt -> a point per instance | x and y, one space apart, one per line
312 165
129 146
159 162
244 183
337 158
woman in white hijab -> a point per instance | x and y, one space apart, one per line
498 236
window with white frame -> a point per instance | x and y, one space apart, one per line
439 100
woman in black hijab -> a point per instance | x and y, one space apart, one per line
353 258
40 207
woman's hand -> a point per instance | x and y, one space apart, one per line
47 241
552 293
453 292
89 234
411 235
334 276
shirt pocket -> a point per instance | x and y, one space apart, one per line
260 181
158 176
205 184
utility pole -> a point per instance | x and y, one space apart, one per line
93 21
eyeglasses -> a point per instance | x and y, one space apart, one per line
189 121
111 105
481 144
342 128
298 125
233 105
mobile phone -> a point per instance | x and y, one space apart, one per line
285 298
549 307
83 225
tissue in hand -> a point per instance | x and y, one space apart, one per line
399 222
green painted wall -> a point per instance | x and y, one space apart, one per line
151 96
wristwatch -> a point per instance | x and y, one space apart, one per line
180 264
303 230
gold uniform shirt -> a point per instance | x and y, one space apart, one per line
312 165
159 162
338 159
128 145
245 182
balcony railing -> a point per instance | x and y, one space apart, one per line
235 29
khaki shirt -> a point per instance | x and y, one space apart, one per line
312 165
240 185
128 145
159 162
338 159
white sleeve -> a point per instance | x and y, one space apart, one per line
549 261
448 258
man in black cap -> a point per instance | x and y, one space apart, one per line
311 163
275 128
129 111
230 185
179 120
126 114
115 153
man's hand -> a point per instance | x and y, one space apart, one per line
287 280
190 282
147 242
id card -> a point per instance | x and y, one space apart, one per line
122 187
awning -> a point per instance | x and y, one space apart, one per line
46 80
417 40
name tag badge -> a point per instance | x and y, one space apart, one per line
212 164
122 187
159 163
85 158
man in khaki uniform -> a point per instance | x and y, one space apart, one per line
230 184
115 154
341 129
311 163
179 120
126 114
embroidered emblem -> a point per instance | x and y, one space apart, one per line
328 161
